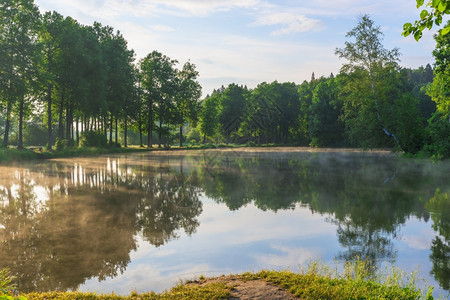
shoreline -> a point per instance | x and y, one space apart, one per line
12 155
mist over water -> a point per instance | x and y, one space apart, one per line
143 221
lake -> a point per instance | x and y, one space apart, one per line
144 221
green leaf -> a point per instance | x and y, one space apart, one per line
445 30
418 35
442 6
406 33
406 26
438 20
423 14
419 3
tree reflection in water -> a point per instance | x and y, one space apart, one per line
66 222
439 205
359 194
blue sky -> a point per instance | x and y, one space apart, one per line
250 41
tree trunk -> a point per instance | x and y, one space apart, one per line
49 115
140 131
21 104
181 136
105 125
60 121
78 133
150 126
7 124
117 131
159 134
68 124
379 116
110 129
125 134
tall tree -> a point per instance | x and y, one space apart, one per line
20 21
209 116
368 53
439 90
232 109
188 94
50 38
325 127
159 81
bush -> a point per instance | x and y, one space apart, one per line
93 139
193 136
60 144
438 145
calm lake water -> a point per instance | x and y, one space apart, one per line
144 221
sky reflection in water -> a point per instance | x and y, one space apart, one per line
144 221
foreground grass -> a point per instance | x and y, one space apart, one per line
318 281
210 291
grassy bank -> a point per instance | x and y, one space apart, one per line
13 154
317 281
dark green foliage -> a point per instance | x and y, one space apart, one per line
93 139
439 138
325 128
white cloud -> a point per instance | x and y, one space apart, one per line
288 258
164 28
206 7
291 22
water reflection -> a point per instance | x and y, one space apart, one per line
66 221
63 223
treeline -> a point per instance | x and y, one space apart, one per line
71 84
75 79
371 103
329 111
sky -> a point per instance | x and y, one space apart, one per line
248 42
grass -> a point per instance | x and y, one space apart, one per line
357 281
12 154
317 281
210 291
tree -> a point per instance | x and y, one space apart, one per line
232 107
209 116
50 38
439 90
119 65
367 53
438 9
19 21
189 91
325 128
159 81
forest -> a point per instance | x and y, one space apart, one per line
64 84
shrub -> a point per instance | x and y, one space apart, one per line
60 144
439 140
93 139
